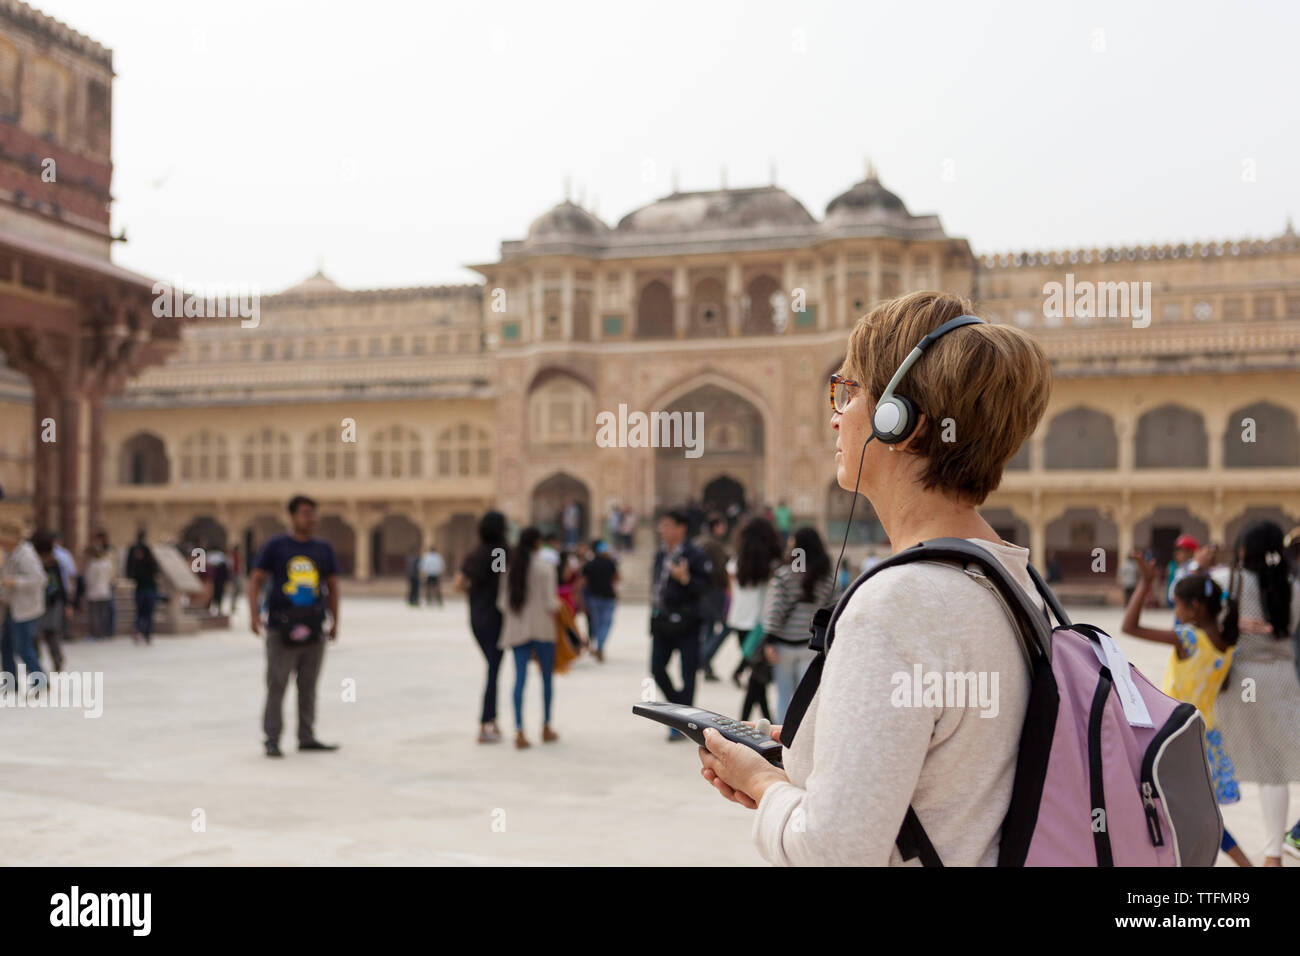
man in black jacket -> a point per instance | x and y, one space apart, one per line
681 576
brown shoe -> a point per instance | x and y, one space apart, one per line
521 742
548 735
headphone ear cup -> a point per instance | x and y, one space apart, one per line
903 420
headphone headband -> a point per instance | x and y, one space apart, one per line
895 416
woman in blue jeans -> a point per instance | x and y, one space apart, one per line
528 602
23 582
599 594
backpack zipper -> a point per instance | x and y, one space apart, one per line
1153 819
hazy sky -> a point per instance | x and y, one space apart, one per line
397 141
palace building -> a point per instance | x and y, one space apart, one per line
735 304
406 412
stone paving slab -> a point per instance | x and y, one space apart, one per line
180 733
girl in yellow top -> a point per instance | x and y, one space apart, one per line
1197 668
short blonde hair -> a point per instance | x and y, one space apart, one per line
992 381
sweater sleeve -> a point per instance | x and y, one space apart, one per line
777 602
869 743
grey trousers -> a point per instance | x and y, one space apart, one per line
281 661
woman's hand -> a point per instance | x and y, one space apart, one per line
738 773
769 654
1147 570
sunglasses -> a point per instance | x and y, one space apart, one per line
842 392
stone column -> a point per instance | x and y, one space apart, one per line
874 292
735 288
566 305
1037 534
824 299
787 278
95 470
361 531
681 302
537 307
46 461
1218 523
1124 525
1216 429
1125 435
841 290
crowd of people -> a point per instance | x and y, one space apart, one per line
547 599
529 599
45 592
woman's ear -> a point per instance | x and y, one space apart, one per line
918 435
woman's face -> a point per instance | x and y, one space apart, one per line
854 428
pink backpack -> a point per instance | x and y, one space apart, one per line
1094 786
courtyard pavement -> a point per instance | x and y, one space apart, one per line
172 772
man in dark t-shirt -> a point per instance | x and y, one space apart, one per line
600 576
303 575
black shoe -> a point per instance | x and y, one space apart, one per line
709 676
317 745
273 749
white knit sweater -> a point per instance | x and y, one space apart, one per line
864 752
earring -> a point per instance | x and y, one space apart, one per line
893 448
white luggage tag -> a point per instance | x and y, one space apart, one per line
1110 655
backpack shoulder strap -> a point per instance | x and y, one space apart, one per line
1032 626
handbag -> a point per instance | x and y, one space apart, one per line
565 652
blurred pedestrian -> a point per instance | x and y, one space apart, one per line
528 603
600 593
50 625
802 585
23 592
432 567
1262 730
98 575
479 579
142 568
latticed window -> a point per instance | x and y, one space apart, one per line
561 413
462 451
266 456
203 457
396 453
329 456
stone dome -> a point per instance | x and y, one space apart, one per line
864 200
718 210
318 284
566 221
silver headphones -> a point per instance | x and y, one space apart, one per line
895 416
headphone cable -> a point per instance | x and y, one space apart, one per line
835 580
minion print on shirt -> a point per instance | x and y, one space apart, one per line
302 581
